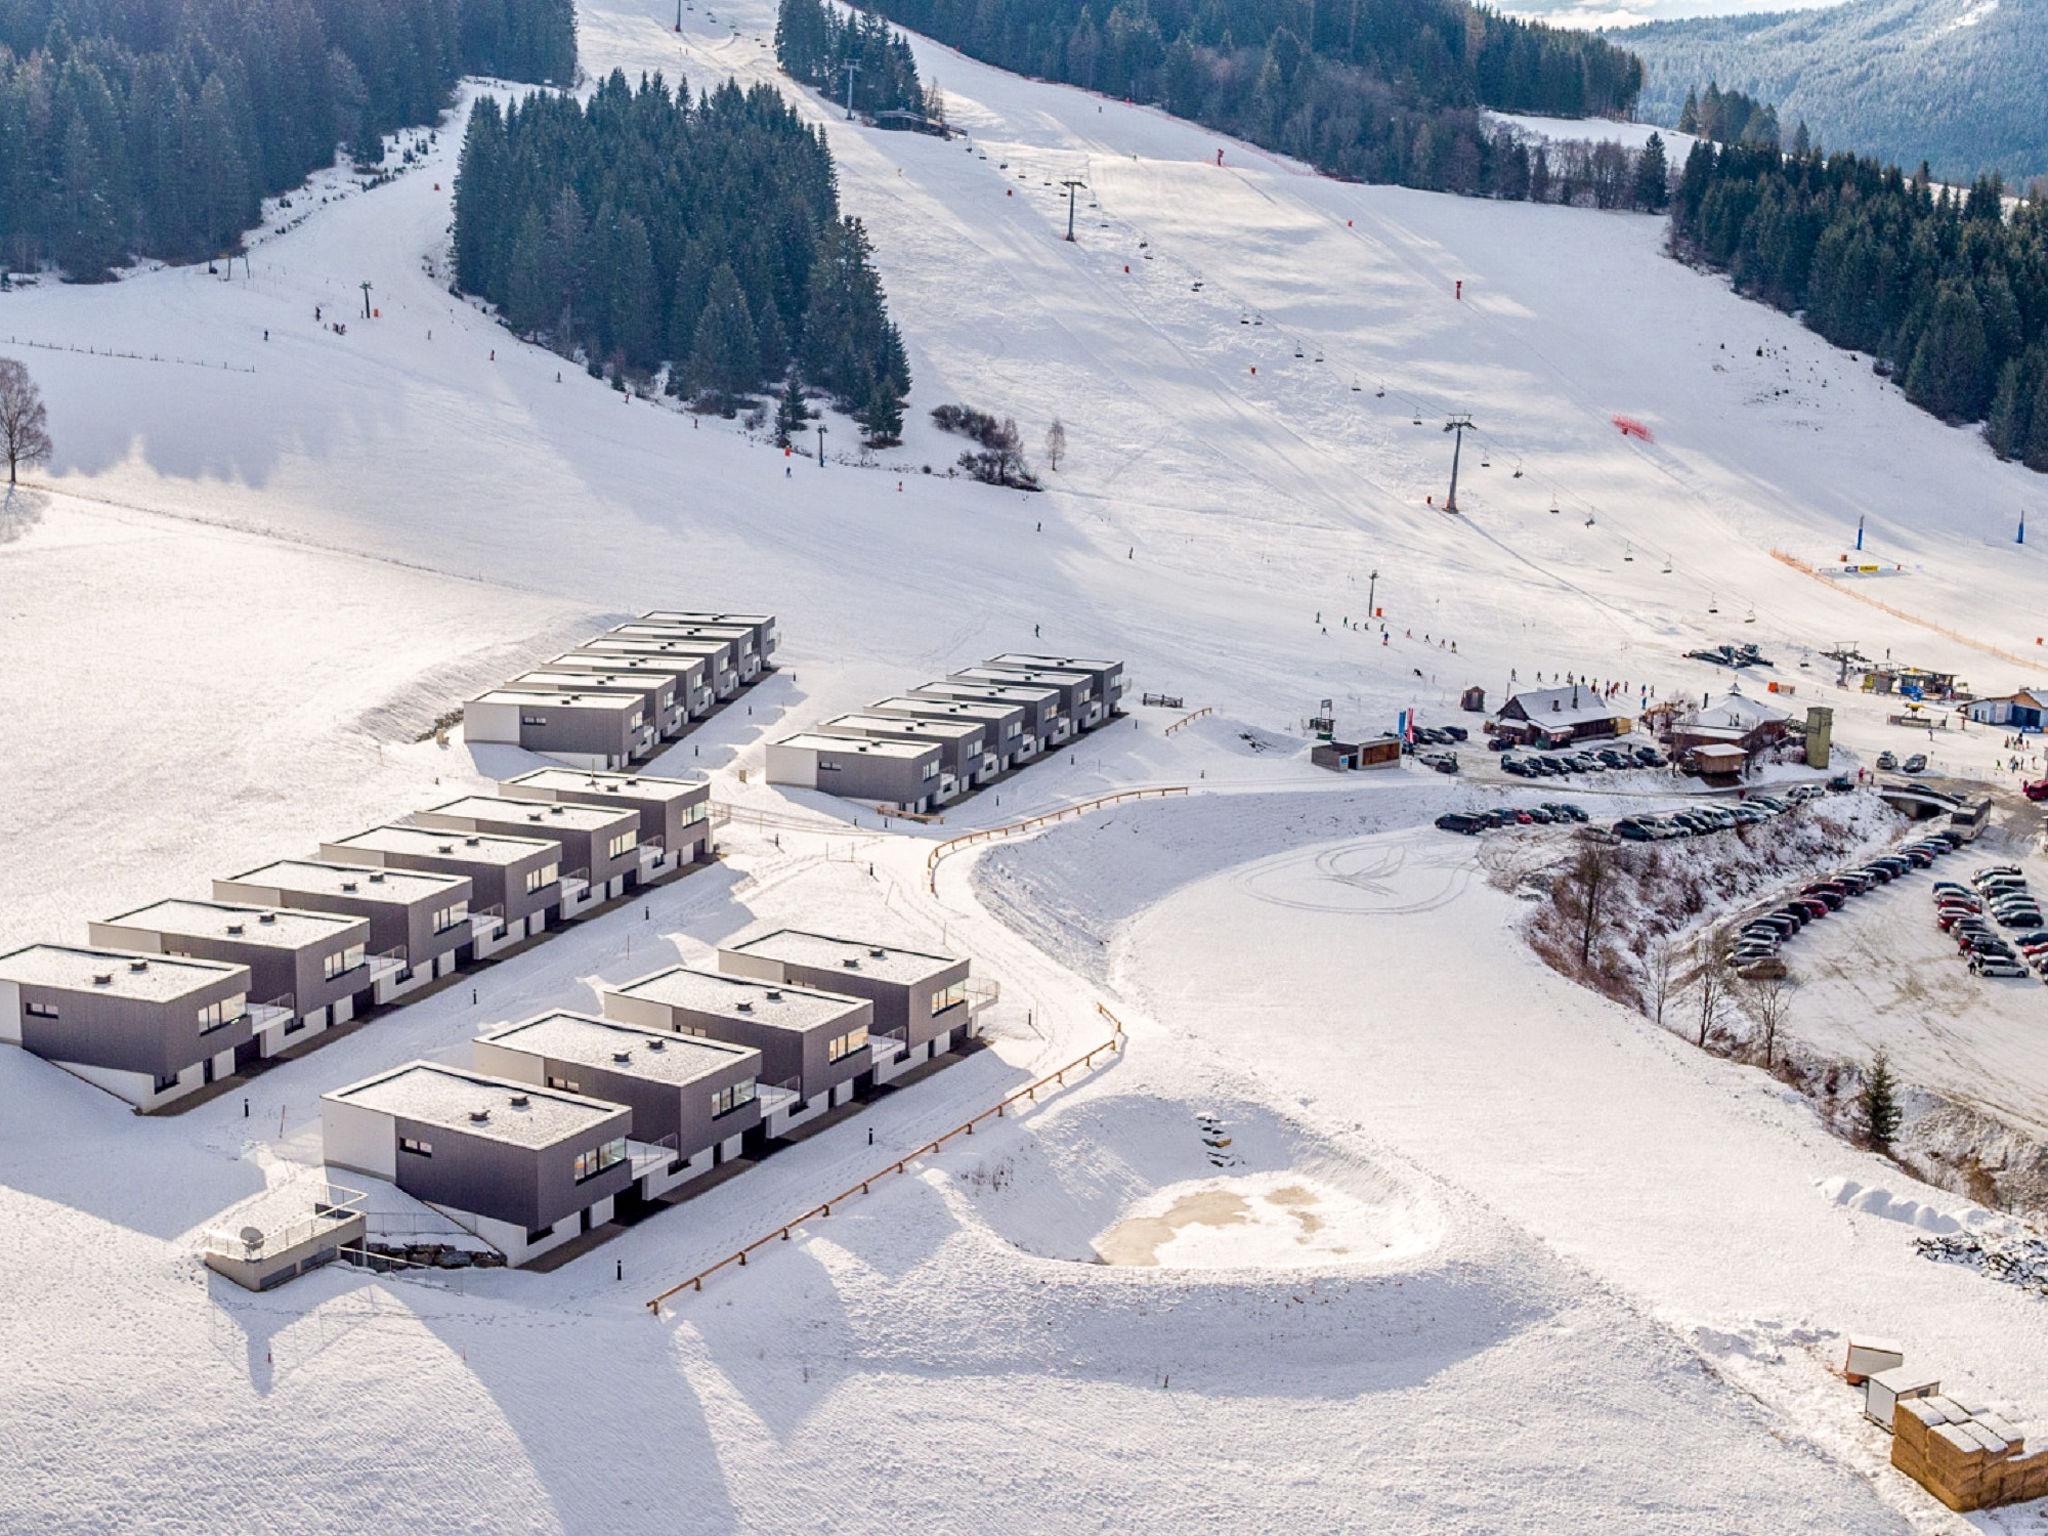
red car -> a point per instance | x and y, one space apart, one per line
2038 790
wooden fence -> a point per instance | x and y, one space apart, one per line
737 1259
1189 719
953 845
1848 590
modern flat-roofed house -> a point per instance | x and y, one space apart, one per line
691 674
517 881
903 774
675 814
1063 721
919 998
1108 675
716 655
668 713
812 1044
148 1028
420 916
1041 707
1557 716
594 729
1080 700
766 635
745 659
525 1168
600 844
314 968
692 1097
1004 723
965 761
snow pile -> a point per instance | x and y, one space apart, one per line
1877 1201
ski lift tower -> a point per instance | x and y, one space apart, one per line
1459 424
852 69
1070 184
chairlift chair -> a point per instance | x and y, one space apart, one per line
1752 617
1553 504
1628 552
1297 350
1319 354
1380 393
1667 566
1713 603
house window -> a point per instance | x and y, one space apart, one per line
451 917
845 1045
590 1164
547 874
416 1147
539 1235
634 723
696 812
223 1013
567 1085
726 1100
167 1082
824 767
342 961
1016 729
533 719
931 770
948 997
621 845
49 1011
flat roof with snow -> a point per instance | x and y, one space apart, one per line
1050 663
647 645
938 730
619 703
627 786
655 1054
680 616
1018 692
574 682
796 946
139 977
284 927
988 711
358 880
1048 676
540 815
775 1004
872 746
429 842
628 663
452 1097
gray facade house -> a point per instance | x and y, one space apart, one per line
692 1097
813 1044
745 657
919 998
600 844
525 1168
1080 703
965 761
691 674
593 729
1108 675
148 1028
900 774
766 635
665 710
1041 707
418 916
1003 723
314 969
675 814
717 656
516 881
1057 723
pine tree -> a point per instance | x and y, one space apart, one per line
725 357
790 412
1689 119
1653 176
1880 1103
881 416
1948 372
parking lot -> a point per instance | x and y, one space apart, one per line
1882 973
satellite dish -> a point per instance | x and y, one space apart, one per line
252 1238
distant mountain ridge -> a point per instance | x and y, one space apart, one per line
1962 84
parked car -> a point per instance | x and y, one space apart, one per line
1996 965
1841 784
1454 732
1564 810
1887 761
1460 821
1633 831
1498 744
1917 763
2037 791
1649 757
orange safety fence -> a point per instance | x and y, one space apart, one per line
953 845
1798 564
737 1259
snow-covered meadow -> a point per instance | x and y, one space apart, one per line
1608 1285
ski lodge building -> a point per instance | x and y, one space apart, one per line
1555 717
2026 710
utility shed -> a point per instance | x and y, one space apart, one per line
1366 752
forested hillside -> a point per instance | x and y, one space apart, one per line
1380 91
1957 83
818 46
1948 291
648 226
156 127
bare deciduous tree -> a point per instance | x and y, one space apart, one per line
1713 989
1588 880
1768 999
1663 973
24 424
1055 442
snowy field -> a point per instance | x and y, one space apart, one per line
1587 1275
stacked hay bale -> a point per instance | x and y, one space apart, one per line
1966 1458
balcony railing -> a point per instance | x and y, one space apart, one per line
573 884
386 961
335 1206
774 1097
280 1008
485 921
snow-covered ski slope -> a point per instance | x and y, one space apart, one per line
242 596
